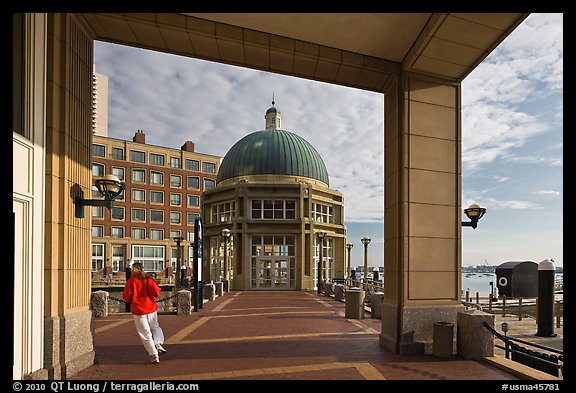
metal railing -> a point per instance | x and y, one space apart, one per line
549 363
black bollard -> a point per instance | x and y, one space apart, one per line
128 271
546 272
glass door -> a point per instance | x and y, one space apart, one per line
273 273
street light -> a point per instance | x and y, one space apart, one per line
178 240
474 213
110 186
366 240
320 235
349 247
226 235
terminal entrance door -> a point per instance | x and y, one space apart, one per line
273 272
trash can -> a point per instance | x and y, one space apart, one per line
354 303
443 339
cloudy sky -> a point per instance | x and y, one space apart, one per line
512 122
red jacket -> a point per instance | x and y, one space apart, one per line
141 294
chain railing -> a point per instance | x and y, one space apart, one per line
539 360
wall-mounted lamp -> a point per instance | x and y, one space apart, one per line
110 186
474 213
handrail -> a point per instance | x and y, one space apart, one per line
512 347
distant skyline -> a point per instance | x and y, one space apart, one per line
512 129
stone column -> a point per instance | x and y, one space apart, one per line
422 214
68 320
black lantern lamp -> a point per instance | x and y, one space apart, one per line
109 186
474 213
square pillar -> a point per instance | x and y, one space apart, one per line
422 214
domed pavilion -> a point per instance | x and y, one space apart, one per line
272 194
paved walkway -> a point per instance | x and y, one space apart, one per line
271 336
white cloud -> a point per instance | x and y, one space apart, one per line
551 193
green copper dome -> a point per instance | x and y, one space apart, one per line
273 152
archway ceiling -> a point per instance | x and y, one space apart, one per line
351 49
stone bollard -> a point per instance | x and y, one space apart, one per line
209 291
339 292
99 303
354 303
329 289
376 305
473 340
184 302
219 288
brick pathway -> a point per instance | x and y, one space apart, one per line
268 335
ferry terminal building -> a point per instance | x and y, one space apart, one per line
272 194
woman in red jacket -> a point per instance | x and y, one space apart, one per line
141 293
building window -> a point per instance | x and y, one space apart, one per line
137 156
138 233
98 150
98 212
175 162
18 71
175 218
156 215
117 232
273 209
328 256
193 182
322 213
117 213
222 212
138 214
157 159
176 181
193 200
138 195
208 167
209 183
156 178
156 197
191 217
97 257
175 233
117 153
97 170
193 165
118 172
151 257
138 175
157 234
118 258
175 199
97 231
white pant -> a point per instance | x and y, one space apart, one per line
149 331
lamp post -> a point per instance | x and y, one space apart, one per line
366 240
349 248
320 235
178 240
226 235
474 213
